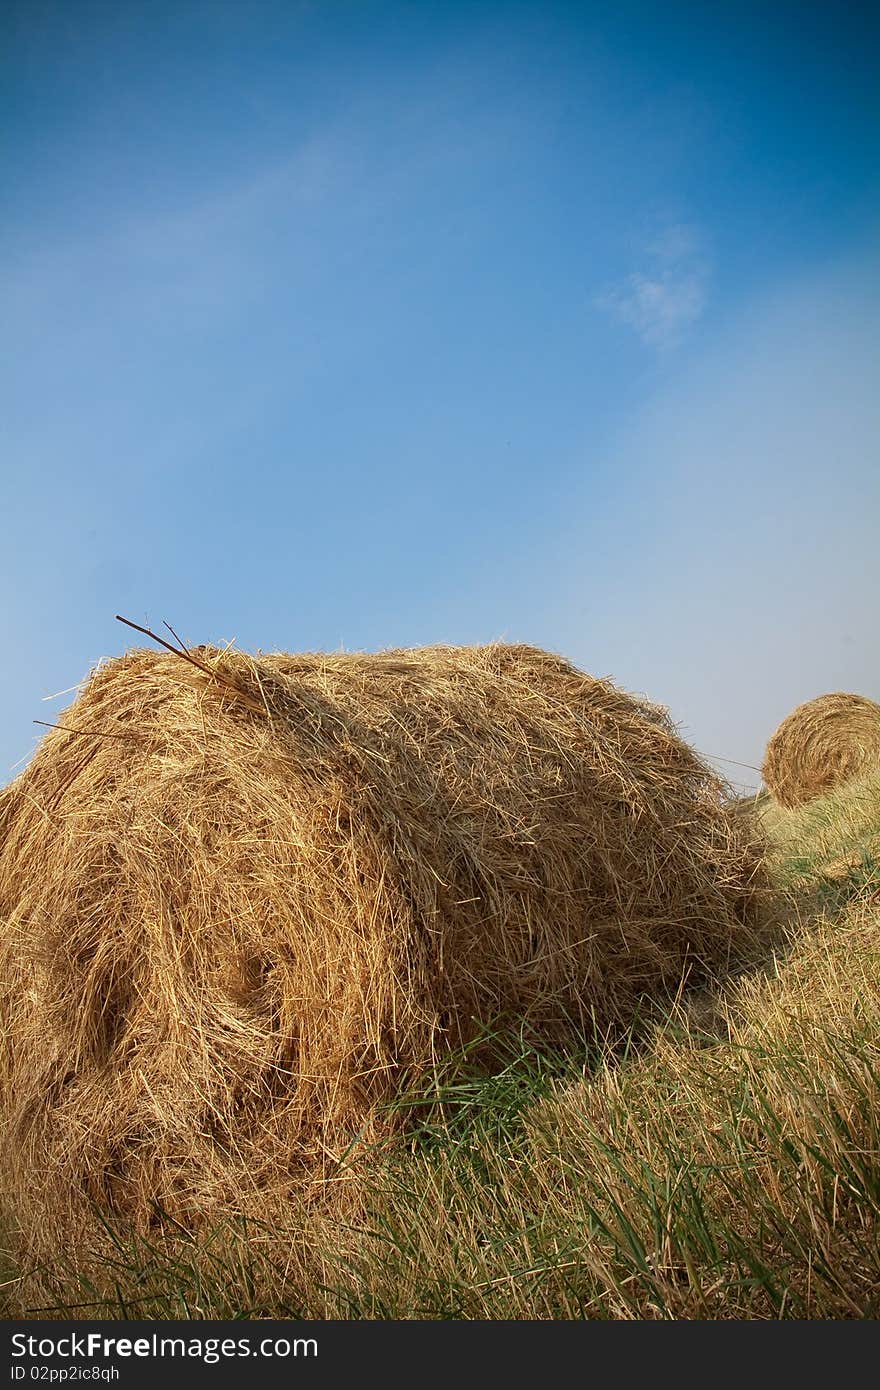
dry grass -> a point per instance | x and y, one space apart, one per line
822 745
740 1176
833 840
733 1173
248 903
730 1170
728 1167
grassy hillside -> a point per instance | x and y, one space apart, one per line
724 1164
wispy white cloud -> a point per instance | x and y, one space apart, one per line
668 293
745 495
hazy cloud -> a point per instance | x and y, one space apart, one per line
745 497
668 293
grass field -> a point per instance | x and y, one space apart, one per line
724 1161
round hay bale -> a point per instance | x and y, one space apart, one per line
243 905
822 744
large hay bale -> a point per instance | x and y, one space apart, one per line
820 745
242 905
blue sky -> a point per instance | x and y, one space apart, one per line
367 324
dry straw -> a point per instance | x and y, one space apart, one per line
259 896
821 745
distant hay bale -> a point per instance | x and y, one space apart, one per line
243 905
820 745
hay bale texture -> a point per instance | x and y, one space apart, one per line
821 745
244 904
